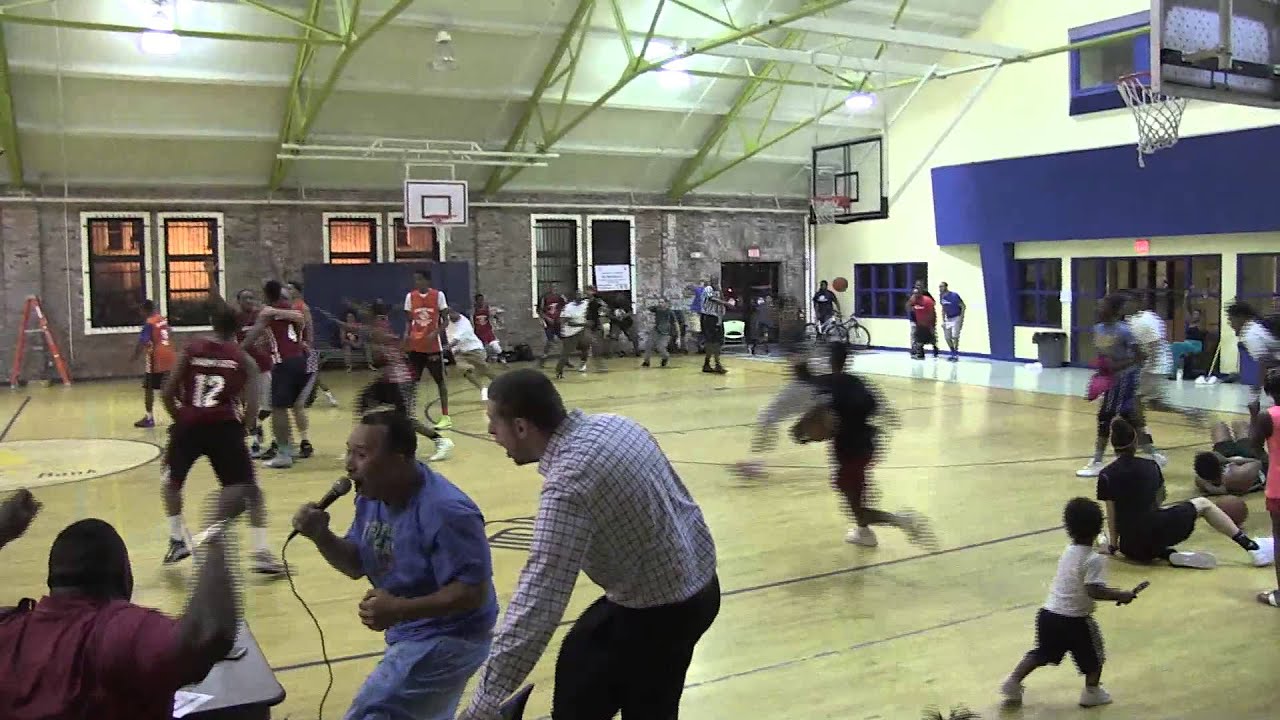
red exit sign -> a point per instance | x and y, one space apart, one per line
753 252
1142 246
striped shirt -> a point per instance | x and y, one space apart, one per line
613 507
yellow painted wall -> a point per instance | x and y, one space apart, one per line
1023 112
1229 246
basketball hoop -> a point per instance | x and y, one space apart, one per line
1158 115
436 221
826 206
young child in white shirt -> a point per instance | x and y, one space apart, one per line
1065 624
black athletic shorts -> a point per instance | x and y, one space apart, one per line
924 335
288 381
154 381
1160 532
712 329
431 362
221 442
380 392
1235 448
1057 635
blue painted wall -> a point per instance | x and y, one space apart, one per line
1207 185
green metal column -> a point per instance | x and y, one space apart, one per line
301 123
9 120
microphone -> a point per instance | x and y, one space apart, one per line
340 488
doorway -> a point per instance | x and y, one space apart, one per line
1171 286
749 284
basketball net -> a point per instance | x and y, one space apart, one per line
1158 115
825 208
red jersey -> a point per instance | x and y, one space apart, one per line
261 351
552 304
424 320
288 338
923 309
483 322
212 385
74 657
159 346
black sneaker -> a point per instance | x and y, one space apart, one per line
305 450
267 454
178 552
663 363
644 364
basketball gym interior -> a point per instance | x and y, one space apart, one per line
647 146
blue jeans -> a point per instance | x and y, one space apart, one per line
419 679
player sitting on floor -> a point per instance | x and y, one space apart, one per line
850 405
1133 489
1235 466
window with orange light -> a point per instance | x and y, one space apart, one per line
116 270
189 243
414 244
353 241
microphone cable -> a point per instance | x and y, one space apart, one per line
324 650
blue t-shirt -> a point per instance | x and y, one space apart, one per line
696 305
437 539
951 304
1115 342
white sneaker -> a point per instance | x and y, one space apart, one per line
1160 459
918 529
863 536
444 448
1093 469
1094 696
333 401
1265 555
582 368
1197 560
1011 692
484 394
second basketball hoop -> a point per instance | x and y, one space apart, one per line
435 203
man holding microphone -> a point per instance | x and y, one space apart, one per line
421 542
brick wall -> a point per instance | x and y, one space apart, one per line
41 254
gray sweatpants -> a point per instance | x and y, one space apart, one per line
660 341
795 398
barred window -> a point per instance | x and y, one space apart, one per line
188 244
115 272
351 240
556 255
413 244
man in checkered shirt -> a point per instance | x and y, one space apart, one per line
613 507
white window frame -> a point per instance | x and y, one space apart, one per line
442 237
377 230
86 287
591 268
533 254
162 252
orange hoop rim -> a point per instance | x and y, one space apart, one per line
843 201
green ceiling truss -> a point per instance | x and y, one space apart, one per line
562 65
9 120
304 103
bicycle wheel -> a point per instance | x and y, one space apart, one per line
859 336
812 333
837 333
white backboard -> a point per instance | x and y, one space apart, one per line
1192 39
435 202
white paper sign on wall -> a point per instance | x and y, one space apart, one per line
613 277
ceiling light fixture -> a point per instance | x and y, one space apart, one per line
159 39
673 75
444 59
860 102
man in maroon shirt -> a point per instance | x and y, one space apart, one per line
926 321
549 310
84 651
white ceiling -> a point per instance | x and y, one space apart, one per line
92 109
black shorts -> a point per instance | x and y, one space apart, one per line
380 392
288 381
154 381
712 329
1235 448
924 335
1057 635
221 442
431 362
1161 531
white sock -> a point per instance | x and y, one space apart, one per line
177 531
259 536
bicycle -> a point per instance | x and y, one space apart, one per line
834 329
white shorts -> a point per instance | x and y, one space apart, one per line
495 348
952 326
264 390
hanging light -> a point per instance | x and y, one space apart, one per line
860 102
673 75
159 39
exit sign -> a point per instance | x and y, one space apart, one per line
1142 246
753 252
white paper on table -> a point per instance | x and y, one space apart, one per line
185 703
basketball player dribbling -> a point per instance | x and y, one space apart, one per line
425 305
261 351
212 397
484 327
156 346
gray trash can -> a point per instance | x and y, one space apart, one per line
1051 348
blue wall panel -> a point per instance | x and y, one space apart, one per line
1207 185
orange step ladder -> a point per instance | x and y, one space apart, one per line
33 306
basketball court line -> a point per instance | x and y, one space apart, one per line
16 414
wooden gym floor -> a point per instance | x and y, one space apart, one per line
810 627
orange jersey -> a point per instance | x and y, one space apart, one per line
424 321
159 344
